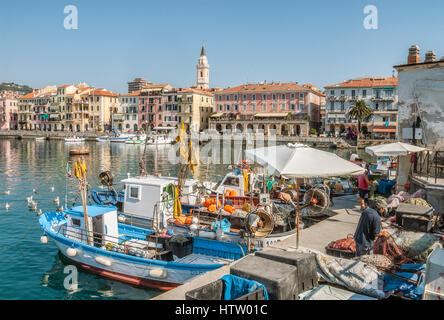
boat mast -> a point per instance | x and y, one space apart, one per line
80 174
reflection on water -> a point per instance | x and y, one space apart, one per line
31 270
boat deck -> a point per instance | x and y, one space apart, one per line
196 258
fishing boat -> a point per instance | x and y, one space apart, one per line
40 139
92 238
74 139
103 139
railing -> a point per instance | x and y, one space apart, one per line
430 164
115 244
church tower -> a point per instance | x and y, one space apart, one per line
203 71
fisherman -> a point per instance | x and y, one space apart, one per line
369 227
363 184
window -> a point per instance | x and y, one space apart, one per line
228 98
282 106
75 222
236 107
264 106
364 93
292 96
342 92
353 93
253 97
134 192
293 106
273 106
245 106
253 106
227 107
220 98
244 97
332 92
283 96
342 105
301 106
273 96
301 95
264 97
235 98
231 181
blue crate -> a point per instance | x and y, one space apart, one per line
217 248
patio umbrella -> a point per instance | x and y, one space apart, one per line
393 149
301 161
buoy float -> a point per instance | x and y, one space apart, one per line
52 188
39 213
158 273
105 261
121 218
194 220
7 206
71 252
8 192
44 239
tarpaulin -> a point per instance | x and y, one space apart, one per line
236 287
407 288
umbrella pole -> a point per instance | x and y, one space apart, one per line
297 213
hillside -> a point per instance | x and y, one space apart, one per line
15 87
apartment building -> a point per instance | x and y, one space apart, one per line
8 110
127 117
379 93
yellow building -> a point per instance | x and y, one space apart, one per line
194 108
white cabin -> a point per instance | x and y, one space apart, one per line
143 193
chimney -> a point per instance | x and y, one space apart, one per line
430 56
414 55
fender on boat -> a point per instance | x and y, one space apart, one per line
104 261
72 252
159 273
44 239
207 234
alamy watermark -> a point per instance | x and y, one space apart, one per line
71 21
71 282
371 20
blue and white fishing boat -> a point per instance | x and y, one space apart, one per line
137 256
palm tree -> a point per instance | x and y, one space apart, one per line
360 111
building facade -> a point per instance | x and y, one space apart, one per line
287 108
379 93
127 117
194 108
8 111
137 84
421 97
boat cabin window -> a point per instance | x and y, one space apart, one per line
75 222
231 181
134 192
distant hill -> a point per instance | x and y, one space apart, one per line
15 87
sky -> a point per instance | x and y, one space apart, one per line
319 41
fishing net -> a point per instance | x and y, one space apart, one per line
417 245
385 245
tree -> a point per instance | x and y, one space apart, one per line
360 111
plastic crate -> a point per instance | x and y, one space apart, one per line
340 253
221 249
215 291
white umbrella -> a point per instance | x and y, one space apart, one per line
301 161
393 149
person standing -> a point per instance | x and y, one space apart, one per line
369 227
363 184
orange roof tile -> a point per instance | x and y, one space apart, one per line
366 82
284 86
132 94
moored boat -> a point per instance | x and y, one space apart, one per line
138 256
74 139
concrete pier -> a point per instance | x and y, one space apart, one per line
315 237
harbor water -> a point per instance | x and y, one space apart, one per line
32 270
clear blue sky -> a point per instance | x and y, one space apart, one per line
317 41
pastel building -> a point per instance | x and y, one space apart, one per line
8 111
266 106
127 117
379 93
151 100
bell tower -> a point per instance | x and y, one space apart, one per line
203 71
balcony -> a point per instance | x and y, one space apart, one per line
386 98
337 98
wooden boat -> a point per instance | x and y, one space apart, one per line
138 256
78 152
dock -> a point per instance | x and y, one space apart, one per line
316 237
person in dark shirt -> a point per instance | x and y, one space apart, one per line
369 226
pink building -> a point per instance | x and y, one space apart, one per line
8 112
247 99
155 105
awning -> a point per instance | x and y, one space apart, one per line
269 115
217 115
384 129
